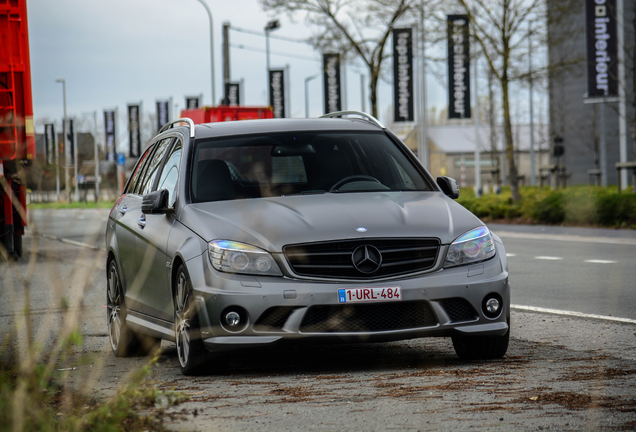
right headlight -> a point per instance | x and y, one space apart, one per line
234 257
474 246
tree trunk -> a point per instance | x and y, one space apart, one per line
373 91
510 154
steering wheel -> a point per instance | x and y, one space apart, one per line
352 178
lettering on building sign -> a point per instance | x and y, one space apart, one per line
602 58
459 71
278 95
403 75
458 67
233 95
333 86
134 131
602 48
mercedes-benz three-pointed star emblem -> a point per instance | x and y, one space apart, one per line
366 259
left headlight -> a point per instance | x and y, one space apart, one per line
474 246
235 257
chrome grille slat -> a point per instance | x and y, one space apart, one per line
334 259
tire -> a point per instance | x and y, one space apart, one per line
482 347
191 353
123 340
17 245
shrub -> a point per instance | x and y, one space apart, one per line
616 210
550 209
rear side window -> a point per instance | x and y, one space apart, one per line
139 169
145 187
170 173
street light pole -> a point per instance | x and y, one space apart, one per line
67 190
307 94
533 180
211 47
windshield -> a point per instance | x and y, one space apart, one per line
269 165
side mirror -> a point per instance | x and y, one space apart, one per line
449 186
156 203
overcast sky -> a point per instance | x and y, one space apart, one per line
116 52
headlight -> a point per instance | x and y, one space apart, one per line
476 245
234 257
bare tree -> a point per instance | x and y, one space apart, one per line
360 28
500 28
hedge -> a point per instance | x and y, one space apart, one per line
575 206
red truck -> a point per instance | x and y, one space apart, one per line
227 113
17 135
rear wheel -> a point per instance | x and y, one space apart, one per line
481 347
123 340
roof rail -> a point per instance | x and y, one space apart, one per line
181 120
366 116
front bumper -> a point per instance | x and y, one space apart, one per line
446 302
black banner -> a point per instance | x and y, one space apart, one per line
163 113
403 75
109 136
602 46
331 82
458 67
192 102
232 94
277 92
134 131
69 141
49 143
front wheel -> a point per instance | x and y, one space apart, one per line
190 349
481 347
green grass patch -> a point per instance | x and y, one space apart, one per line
73 205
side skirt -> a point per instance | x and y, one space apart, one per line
145 324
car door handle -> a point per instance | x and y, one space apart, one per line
123 209
141 221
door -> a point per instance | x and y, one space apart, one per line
125 233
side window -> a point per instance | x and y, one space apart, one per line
153 167
170 173
134 181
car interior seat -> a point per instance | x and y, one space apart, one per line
214 181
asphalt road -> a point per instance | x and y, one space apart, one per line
560 373
592 274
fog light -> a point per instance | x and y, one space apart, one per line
492 306
232 319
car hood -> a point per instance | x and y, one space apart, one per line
271 223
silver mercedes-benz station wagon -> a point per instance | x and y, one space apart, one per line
251 233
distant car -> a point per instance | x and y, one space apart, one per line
245 234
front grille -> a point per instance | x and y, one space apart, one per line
459 309
335 259
274 318
357 318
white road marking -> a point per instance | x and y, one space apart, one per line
575 314
597 261
71 242
549 258
511 255
568 238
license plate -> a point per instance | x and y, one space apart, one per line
354 295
